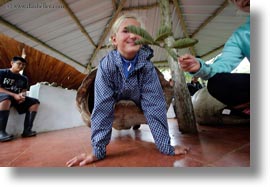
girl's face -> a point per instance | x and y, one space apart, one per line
125 41
243 5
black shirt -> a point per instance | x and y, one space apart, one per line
12 82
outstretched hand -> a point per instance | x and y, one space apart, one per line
181 150
189 63
81 160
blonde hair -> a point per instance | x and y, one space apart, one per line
117 24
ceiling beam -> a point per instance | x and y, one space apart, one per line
72 15
114 4
212 51
146 7
161 63
2 2
105 33
34 39
183 24
210 18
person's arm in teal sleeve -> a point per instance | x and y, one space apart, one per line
235 50
229 59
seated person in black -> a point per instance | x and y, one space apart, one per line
13 87
194 85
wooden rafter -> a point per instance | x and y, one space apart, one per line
114 4
105 33
34 39
2 2
212 51
207 21
210 18
163 63
146 7
183 24
74 17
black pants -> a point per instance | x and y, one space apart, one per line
22 107
230 88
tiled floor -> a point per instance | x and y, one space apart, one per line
219 146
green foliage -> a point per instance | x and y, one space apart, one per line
188 76
141 32
171 52
184 43
163 33
143 42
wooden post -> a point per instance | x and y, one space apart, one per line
184 108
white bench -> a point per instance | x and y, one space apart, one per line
57 110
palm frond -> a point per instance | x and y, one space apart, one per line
163 33
183 43
141 32
143 42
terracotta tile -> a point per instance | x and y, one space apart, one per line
49 154
214 146
239 157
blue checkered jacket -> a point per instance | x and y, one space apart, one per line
141 86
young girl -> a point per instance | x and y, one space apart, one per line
126 73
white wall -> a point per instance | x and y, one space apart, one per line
57 110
